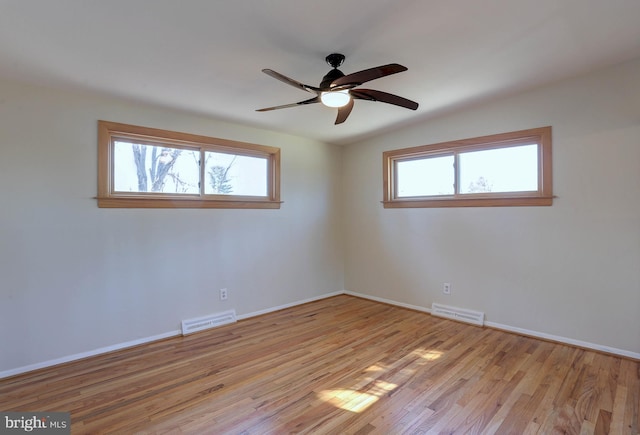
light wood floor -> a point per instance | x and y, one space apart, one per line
342 365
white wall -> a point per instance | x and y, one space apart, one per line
76 278
571 270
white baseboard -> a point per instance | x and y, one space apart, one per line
82 355
521 331
292 304
565 340
119 346
388 301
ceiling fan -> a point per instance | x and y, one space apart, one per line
339 90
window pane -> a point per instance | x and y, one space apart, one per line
148 168
232 174
425 177
513 169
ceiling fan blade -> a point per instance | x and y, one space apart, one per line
360 77
344 111
292 82
373 95
284 106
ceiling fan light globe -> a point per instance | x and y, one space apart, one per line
335 98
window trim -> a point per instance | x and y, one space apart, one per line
108 132
542 197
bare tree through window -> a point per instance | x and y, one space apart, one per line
480 185
160 167
219 178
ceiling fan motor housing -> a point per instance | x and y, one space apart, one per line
325 84
335 59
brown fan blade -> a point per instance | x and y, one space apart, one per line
373 95
366 75
284 106
292 82
344 111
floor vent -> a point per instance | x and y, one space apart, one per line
201 323
469 316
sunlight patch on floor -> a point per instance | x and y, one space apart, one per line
368 390
356 401
428 354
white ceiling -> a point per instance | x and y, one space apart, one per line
206 56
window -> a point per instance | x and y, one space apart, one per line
143 167
509 169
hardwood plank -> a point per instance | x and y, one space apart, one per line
340 365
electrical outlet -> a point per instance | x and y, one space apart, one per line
223 294
446 288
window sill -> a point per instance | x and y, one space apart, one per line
470 202
184 203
